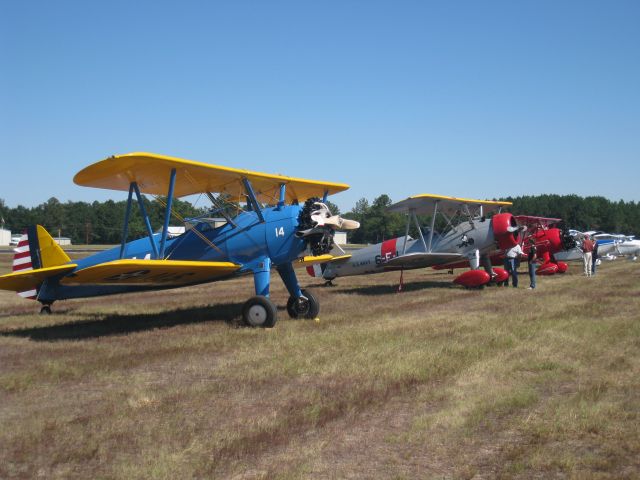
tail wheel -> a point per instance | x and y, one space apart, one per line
45 310
259 311
306 306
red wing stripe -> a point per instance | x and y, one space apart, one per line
22 255
23 243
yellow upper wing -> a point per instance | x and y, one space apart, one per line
152 171
423 204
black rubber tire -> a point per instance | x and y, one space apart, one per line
259 311
45 310
309 309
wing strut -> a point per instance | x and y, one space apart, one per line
433 225
220 208
253 200
167 212
147 222
415 219
406 235
125 226
283 195
133 187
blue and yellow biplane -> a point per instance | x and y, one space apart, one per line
282 220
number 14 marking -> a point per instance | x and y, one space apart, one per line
280 232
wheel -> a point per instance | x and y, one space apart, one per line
45 310
259 312
304 307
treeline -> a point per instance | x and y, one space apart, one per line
101 222
580 213
93 223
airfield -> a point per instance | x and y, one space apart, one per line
434 382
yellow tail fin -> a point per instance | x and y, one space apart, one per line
51 255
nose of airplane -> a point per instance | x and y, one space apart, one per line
506 230
316 225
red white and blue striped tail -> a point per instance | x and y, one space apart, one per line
22 261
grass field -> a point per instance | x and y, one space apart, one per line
435 382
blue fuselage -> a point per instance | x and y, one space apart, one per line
249 243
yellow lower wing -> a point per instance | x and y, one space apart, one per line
327 258
29 279
150 272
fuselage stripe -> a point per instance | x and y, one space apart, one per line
388 249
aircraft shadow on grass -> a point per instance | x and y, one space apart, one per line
124 324
393 288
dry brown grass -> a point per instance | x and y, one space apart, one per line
436 382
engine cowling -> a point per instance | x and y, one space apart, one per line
505 230
549 240
473 278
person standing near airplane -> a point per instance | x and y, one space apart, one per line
512 262
587 254
594 256
532 257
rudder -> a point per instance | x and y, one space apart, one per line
37 249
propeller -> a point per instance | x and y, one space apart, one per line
316 225
568 240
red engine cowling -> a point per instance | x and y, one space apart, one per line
473 278
500 275
547 269
502 223
549 240
562 267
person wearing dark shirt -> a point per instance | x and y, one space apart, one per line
532 258
594 256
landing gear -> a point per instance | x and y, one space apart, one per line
329 283
258 311
305 306
45 310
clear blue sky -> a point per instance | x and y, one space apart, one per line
468 98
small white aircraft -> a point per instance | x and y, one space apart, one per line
610 246
629 247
